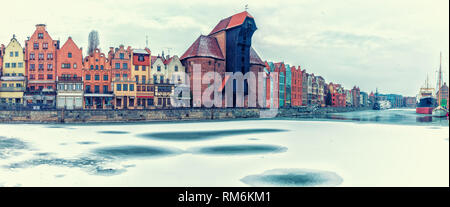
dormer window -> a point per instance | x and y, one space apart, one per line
40 35
122 56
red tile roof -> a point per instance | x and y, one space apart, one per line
204 46
231 22
254 57
153 58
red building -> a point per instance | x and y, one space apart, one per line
336 96
257 68
69 60
120 60
297 86
97 81
356 95
40 60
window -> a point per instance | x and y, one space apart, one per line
65 65
45 45
125 66
161 79
41 56
88 88
117 65
144 68
88 77
13 65
20 65
49 67
69 55
105 77
35 46
32 67
40 35
31 56
41 66
125 87
7 65
49 56
17 54
117 76
74 66
118 87
92 67
176 68
32 76
136 77
101 67
105 89
158 68
41 76
136 67
125 76
49 77
131 87
141 58
97 77
96 67
97 89
11 54
143 79
155 79
122 56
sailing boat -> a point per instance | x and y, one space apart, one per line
440 111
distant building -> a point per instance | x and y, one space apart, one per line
141 71
443 91
409 102
364 99
122 80
297 87
336 96
356 96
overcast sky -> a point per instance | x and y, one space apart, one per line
388 44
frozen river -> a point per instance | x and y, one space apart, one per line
371 148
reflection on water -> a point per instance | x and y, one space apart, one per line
293 178
134 151
239 149
203 135
392 116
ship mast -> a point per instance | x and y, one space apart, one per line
440 76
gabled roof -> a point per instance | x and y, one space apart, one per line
153 59
204 46
231 22
68 42
254 57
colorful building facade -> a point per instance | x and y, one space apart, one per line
98 93
12 80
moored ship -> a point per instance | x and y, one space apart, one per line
426 100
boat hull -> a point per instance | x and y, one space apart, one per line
439 112
424 110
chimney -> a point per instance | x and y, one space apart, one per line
40 26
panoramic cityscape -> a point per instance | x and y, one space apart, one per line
194 95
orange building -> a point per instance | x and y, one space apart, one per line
40 60
123 83
97 81
297 88
69 60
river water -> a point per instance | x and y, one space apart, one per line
367 148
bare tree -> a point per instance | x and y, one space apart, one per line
94 41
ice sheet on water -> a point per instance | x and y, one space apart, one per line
86 143
238 149
204 135
113 132
135 151
9 146
293 178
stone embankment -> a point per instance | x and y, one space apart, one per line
88 116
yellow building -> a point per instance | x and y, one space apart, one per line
12 81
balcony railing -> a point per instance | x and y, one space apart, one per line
12 89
